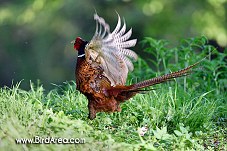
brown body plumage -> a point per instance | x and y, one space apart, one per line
103 65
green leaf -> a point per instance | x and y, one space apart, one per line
178 133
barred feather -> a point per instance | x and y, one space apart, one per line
130 53
164 78
110 50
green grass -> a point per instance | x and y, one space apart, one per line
178 115
174 123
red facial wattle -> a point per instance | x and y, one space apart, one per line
78 43
76 46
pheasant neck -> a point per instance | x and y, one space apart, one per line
81 56
81 53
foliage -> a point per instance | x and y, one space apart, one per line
212 69
193 118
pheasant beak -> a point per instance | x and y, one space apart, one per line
76 46
72 42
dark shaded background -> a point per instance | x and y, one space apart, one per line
35 35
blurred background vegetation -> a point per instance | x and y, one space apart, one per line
35 35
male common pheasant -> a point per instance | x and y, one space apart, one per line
103 64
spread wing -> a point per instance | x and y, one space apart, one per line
111 50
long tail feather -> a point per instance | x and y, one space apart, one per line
164 78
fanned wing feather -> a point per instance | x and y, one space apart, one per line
110 50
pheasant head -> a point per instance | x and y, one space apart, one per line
79 45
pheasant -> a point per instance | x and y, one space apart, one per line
103 65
